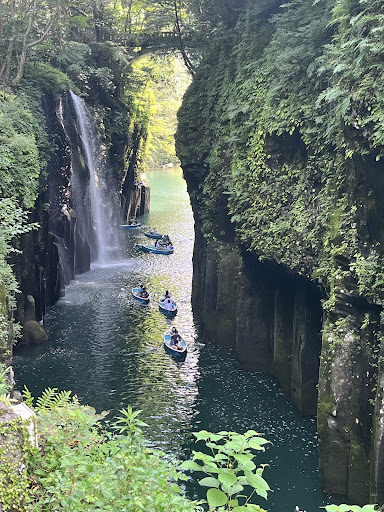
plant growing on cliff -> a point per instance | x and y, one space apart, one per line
83 467
229 469
14 481
5 388
13 222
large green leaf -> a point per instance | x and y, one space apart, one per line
234 489
209 481
243 458
211 468
216 498
256 481
202 435
227 479
257 443
191 465
251 433
221 456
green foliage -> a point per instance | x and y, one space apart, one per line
14 445
81 466
130 425
24 25
12 223
14 481
19 157
230 468
167 96
369 273
46 77
286 138
4 388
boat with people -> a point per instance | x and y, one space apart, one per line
141 294
178 349
129 226
153 249
153 233
168 307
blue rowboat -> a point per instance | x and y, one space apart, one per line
172 350
129 226
155 236
153 249
167 312
135 293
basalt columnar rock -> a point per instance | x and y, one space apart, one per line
281 147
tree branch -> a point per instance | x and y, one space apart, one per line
27 46
186 59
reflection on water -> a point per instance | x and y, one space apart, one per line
107 348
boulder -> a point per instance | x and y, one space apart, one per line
33 332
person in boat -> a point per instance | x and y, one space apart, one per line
176 341
154 231
169 247
143 293
174 336
168 304
167 295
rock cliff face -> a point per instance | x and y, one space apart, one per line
65 243
282 155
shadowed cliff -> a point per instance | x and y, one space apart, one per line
281 142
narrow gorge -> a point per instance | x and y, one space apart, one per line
280 138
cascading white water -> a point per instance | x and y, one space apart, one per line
100 202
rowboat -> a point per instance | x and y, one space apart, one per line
156 236
172 350
135 293
153 249
167 312
129 226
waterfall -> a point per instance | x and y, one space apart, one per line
96 205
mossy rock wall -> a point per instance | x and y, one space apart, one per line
377 448
283 151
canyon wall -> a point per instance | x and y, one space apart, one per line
65 244
282 152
